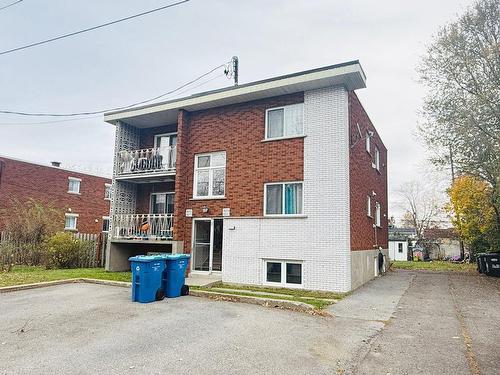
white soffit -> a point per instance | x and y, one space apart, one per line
349 75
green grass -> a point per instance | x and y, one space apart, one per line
28 275
317 299
436 265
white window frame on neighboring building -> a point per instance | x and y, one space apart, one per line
74 180
210 170
73 216
284 132
368 143
369 205
104 218
107 192
283 198
283 274
378 210
377 159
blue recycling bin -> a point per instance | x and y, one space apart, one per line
174 279
147 278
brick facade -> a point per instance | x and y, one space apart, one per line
22 181
364 179
238 130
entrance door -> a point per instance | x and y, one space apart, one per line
207 245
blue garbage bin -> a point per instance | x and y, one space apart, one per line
174 279
147 278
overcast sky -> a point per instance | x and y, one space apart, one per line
145 57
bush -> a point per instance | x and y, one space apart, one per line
7 251
62 251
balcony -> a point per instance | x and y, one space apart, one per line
142 227
148 162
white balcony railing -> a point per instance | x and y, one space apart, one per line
142 226
148 160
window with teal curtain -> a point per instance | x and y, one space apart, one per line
293 199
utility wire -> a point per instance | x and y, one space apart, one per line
10 5
112 109
91 28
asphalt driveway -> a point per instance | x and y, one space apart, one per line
403 323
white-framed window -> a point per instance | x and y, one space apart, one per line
283 273
107 192
74 185
285 122
377 214
70 221
105 224
209 175
377 158
283 198
369 205
367 143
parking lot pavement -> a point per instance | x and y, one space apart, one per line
443 324
84 328
403 323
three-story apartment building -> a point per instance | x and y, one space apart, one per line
279 182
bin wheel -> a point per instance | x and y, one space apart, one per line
160 294
184 290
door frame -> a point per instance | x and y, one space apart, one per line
211 251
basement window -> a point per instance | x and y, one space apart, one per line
283 273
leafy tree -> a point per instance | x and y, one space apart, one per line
462 109
473 214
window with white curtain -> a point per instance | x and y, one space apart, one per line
369 205
367 142
70 221
74 185
377 214
107 191
209 175
283 198
377 158
285 122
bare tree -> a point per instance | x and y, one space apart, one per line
421 205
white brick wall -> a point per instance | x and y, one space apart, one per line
322 239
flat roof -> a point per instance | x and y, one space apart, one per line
53 167
348 74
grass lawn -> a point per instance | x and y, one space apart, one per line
28 275
436 265
317 299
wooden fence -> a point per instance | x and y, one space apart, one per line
93 251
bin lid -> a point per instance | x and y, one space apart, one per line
146 258
177 256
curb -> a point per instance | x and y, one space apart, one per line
266 302
43 284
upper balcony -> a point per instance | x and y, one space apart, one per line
146 163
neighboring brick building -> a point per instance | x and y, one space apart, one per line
280 182
84 200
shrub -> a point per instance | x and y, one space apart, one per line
62 251
7 251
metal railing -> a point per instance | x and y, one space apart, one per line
142 226
148 160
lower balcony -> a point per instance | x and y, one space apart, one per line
142 227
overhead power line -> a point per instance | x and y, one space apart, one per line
20 113
10 5
91 28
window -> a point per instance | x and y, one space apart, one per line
377 159
369 205
377 214
367 142
105 224
209 175
283 198
400 247
70 221
74 185
285 273
285 122
107 192
162 203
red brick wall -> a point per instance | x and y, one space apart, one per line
238 130
22 181
364 179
